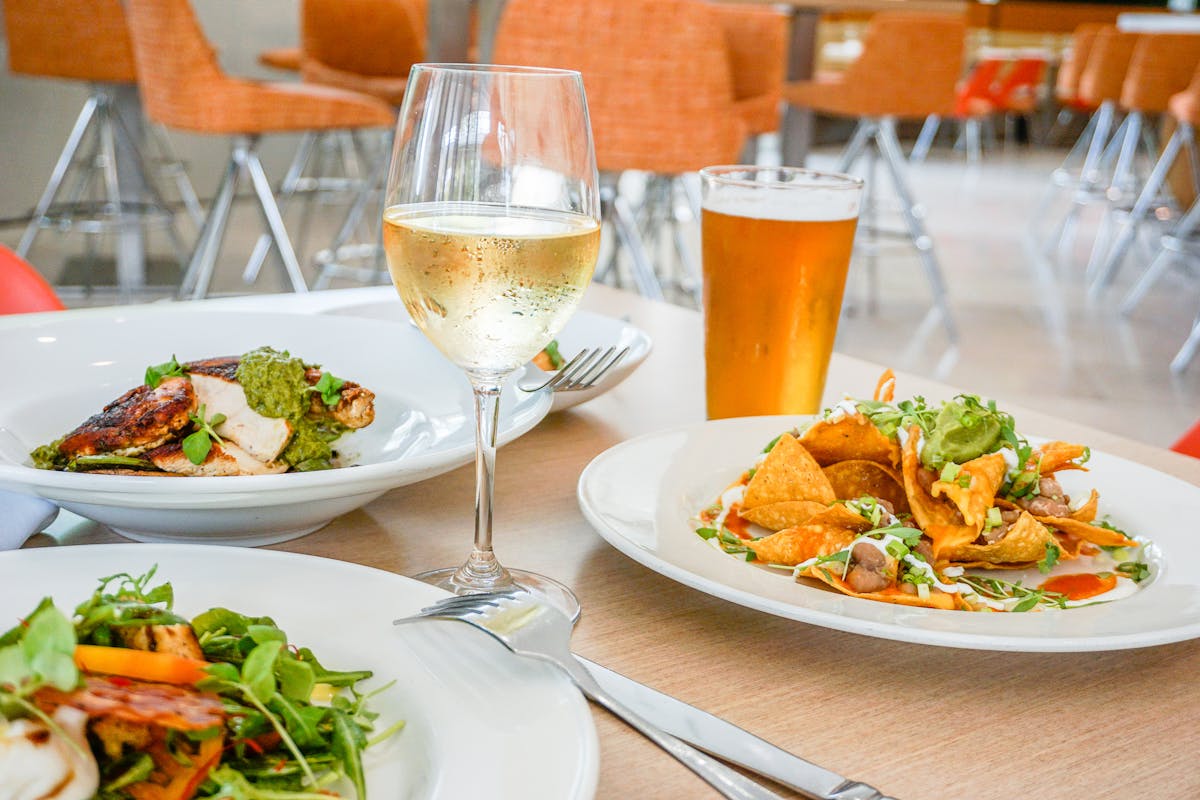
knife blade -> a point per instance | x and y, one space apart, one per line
727 741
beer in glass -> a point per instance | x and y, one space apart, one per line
776 248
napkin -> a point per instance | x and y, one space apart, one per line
21 516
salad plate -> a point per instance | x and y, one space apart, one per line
643 497
479 722
584 330
71 365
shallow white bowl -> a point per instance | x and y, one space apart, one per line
68 366
584 330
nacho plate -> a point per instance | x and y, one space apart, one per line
642 496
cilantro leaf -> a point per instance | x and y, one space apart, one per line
1050 559
330 388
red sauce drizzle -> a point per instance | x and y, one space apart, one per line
1080 585
736 525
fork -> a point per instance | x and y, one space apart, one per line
535 630
583 371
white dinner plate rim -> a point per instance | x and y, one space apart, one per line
650 559
586 753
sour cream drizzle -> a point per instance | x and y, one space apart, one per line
729 497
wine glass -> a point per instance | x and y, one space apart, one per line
491 228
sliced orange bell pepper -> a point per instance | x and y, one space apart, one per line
139 664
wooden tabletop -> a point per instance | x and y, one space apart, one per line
828 6
918 722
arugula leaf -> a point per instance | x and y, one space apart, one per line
347 744
330 388
706 533
258 671
168 369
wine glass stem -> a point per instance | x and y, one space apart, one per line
482 571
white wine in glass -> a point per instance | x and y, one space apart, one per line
491 229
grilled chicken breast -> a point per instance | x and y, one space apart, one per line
223 460
139 420
356 409
217 388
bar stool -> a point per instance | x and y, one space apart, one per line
183 87
284 59
1100 85
1066 84
757 43
1163 65
908 69
86 40
365 46
660 95
1017 91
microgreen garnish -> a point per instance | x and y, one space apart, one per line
1138 571
551 350
168 369
197 445
997 589
1048 561
330 388
771 444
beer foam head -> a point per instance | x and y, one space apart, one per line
786 194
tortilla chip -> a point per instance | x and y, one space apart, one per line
938 518
847 438
831 576
1023 544
853 479
833 529
1089 532
1059 455
885 388
787 473
1087 511
986 473
777 516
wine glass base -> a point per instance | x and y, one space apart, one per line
547 590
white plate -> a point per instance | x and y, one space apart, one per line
585 329
479 722
642 496
71 365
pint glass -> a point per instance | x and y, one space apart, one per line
776 247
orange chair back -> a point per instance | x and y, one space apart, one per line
366 37
1108 62
1162 65
656 72
22 288
78 39
1066 86
910 65
757 43
179 67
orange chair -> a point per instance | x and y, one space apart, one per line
1070 70
365 46
757 43
659 88
1100 85
1179 241
22 288
1189 442
973 101
284 59
86 40
1017 91
909 68
183 87
1162 66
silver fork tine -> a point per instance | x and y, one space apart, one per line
559 376
608 361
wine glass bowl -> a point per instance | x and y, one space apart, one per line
491 229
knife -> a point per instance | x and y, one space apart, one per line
728 742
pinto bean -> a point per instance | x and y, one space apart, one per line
868 556
1009 516
1050 487
865 580
924 549
1042 506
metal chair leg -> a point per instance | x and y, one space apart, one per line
272 217
925 139
1063 237
624 223
173 166
1128 233
863 132
65 159
1172 245
971 132
889 149
1123 177
198 276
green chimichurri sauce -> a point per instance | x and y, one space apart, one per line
275 387
48 456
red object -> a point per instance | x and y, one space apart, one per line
1189 443
1017 90
22 288
974 95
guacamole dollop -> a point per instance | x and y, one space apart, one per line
960 433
